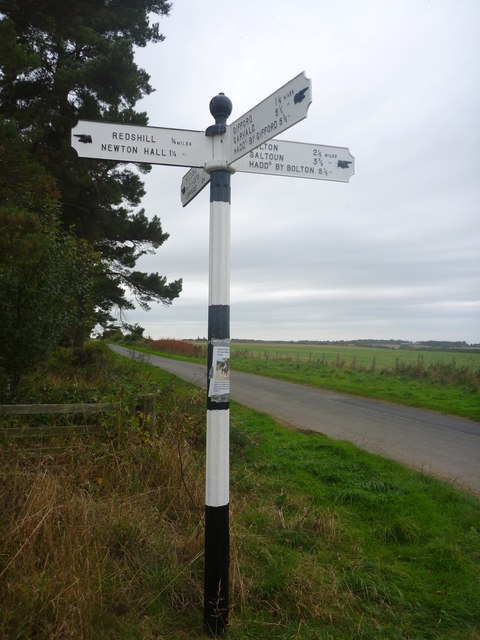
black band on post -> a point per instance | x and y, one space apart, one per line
217 539
220 186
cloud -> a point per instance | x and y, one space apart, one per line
394 253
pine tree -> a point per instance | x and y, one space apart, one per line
65 61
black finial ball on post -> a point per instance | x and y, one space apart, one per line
220 108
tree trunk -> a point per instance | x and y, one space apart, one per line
79 336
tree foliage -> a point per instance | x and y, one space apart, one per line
61 62
46 273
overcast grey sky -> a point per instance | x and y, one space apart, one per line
392 254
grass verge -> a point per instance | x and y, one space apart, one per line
411 387
349 545
104 539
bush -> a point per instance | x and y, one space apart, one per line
178 347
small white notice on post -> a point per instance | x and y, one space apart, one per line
130 143
219 383
281 110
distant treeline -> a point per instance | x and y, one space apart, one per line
433 345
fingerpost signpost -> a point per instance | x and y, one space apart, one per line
247 145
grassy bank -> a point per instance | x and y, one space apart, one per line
348 545
435 388
104 538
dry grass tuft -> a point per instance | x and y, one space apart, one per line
106 531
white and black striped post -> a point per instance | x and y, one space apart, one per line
217 536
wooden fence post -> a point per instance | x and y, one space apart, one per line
147 407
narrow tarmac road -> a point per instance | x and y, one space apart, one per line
444 446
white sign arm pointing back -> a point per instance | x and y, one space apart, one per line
280 111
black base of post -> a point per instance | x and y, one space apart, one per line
216 569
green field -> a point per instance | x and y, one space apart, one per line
385 358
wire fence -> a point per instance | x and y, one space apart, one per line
363 359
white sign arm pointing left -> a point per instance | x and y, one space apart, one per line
149 145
